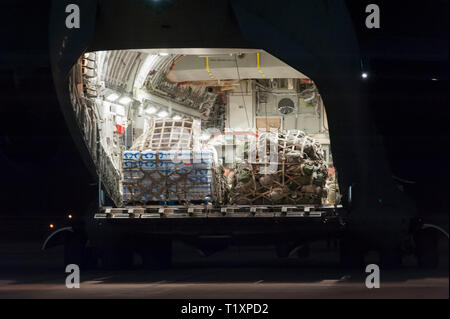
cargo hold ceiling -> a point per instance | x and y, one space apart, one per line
251 65
127 69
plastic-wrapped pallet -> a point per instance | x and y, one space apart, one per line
297 177
132 175
172 170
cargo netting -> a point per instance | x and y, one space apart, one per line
297 177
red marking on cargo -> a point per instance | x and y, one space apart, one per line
120 129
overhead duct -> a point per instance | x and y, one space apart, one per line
224 67
116 68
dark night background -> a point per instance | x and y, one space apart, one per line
42 173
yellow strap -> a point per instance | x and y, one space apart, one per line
207 69
258 65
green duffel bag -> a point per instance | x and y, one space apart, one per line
308 169
295 169
293 185
244 176
302 180
319 179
